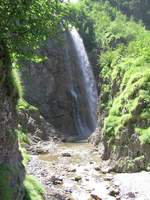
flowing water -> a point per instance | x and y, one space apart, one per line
82 85
88 77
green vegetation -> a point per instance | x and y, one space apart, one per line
138 10
33 189
22 137
23 28
14 83
123 47
124 65
25 24
24 105
23 140
144 134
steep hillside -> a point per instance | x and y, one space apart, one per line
123 133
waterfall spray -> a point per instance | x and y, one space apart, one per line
85 122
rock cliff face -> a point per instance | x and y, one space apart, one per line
46 86
122 135
55 86
36 126
11 168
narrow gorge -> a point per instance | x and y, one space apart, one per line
75 100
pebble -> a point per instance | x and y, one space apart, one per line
77 178
71 170
114 192
94 196
97 168
66 154
105 170
57 177
130 195
56 180
118 197
108 178
68 190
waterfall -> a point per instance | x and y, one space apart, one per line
82 87
65 91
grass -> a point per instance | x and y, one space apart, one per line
25 155
144 134
131 104
33 189
14 83
23 139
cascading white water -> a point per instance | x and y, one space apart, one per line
85 122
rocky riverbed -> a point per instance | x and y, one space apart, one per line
73 171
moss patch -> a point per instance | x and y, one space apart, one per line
33 189
24 105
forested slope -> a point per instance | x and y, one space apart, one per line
139 10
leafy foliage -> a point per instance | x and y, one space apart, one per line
124 70
25 24
78 16
138 9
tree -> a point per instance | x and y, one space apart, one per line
24 24
138 9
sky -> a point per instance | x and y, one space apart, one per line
74 1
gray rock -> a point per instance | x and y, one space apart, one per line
77 178
66 154
56 180
94 196
12 171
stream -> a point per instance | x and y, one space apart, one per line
72 171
